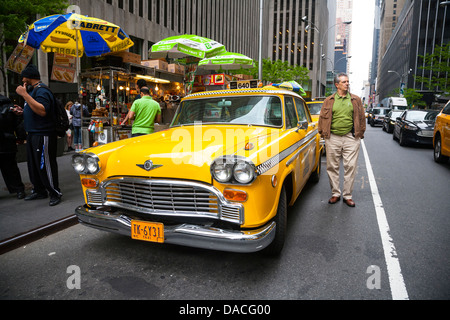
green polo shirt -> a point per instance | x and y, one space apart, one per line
146 110
342 120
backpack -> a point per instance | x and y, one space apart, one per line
61 119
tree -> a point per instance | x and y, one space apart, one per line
438 64
414 98
278 71
15 16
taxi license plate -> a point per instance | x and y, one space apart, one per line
147 231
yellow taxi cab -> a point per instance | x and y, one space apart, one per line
220 177
441 135
314 108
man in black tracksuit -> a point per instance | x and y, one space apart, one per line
39 122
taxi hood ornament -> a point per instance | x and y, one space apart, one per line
148 165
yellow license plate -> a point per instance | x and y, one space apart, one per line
147 231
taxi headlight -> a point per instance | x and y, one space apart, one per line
244 172
86 163
78 163
92 165
233 170
222 171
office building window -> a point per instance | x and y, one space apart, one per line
131 6
158 10
120 4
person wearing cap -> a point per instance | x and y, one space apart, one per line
145 112
39 122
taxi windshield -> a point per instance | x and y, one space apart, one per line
314 108
245 110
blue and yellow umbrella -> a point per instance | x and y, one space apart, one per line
291 85
74 34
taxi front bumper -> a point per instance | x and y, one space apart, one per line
185 234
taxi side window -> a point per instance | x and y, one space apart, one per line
446 109
301 110
291 117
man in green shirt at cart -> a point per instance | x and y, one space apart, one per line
145 112
342 124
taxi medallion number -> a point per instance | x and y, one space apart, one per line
147 231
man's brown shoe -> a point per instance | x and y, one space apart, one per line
333 200
349 202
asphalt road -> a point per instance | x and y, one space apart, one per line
332 252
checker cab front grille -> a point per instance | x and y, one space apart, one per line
166 198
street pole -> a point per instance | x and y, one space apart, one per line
261 6
304 19
320 69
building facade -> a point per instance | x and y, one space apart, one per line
234 23
422 25
342 54
296 30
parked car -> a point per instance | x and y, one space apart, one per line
441 135
376 116
389 120
415 127
221 177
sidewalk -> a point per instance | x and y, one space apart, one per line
19 216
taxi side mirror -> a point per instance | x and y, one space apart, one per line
302 125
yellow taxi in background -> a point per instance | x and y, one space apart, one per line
220 177
314 108
441 135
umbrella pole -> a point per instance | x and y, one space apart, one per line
76 60
78 83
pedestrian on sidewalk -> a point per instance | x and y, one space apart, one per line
145 112
342 124
69 132
39 122
75 111
11 130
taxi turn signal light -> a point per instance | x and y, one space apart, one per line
235 195
89 182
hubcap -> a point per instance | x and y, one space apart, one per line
437 148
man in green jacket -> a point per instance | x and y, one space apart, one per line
145 112
342 124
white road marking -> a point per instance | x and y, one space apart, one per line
398 288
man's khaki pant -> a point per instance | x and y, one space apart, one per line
345 148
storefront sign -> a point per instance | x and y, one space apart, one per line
210 80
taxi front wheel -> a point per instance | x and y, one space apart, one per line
277 244
438 157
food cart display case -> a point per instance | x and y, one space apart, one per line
109 93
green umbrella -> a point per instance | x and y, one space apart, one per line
226 61
187 45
